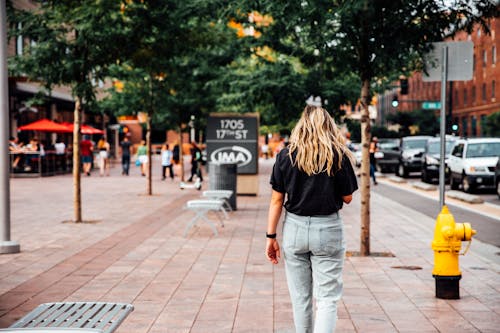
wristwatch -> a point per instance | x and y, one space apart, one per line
270 235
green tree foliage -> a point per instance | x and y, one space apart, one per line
493 124
285 65
421 122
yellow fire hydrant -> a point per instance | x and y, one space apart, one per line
448 238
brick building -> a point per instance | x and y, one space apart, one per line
468 102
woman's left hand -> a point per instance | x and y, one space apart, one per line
273 250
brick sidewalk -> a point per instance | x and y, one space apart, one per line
135 252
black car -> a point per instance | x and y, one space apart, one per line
410 157
387 155
431 158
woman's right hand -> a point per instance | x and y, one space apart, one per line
273 250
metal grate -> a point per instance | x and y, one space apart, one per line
103 316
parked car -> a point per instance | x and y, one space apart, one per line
410 154
472 163
431 158
355 147
387 155
497 177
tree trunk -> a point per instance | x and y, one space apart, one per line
150 155
77 199
365 168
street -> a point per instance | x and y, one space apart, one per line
487 227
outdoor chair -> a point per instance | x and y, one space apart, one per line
223 195
72 317
201 207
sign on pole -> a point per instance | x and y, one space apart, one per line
459 61
448 61
431 105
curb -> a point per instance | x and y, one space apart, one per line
424 186
473 199
396 179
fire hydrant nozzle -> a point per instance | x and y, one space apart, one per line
447 242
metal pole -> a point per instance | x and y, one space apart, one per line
6 245
444 79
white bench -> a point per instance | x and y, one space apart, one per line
223 195
201 207
72 317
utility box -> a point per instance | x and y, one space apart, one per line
222 176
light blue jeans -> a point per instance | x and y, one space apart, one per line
314 249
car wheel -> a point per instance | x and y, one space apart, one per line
453 183
498 189
401 171
466 185
424 176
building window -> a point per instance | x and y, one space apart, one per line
485 58
19 41
464 127
483 125
473 125
493 55
465 96
484 92
455 97
493 87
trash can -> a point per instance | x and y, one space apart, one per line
222 176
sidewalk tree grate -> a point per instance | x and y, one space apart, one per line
409 268
83 222
372 254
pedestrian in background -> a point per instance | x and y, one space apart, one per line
166 161
125 147
86 148
195 162
315 173
60 148
373 160
104 148
142 157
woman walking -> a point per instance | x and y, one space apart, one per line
316 175
142 157
104 149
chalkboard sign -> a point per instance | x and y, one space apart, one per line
233 139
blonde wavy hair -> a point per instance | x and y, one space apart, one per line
318 143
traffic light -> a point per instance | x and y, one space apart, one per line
403 85
454 127
395 101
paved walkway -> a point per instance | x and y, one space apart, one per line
134 251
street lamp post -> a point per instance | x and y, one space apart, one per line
6 244
192 132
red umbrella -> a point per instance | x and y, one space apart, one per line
45 125
84 129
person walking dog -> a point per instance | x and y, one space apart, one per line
315 174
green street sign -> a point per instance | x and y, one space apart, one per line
431 105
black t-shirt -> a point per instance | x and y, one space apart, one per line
314 195
125 148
